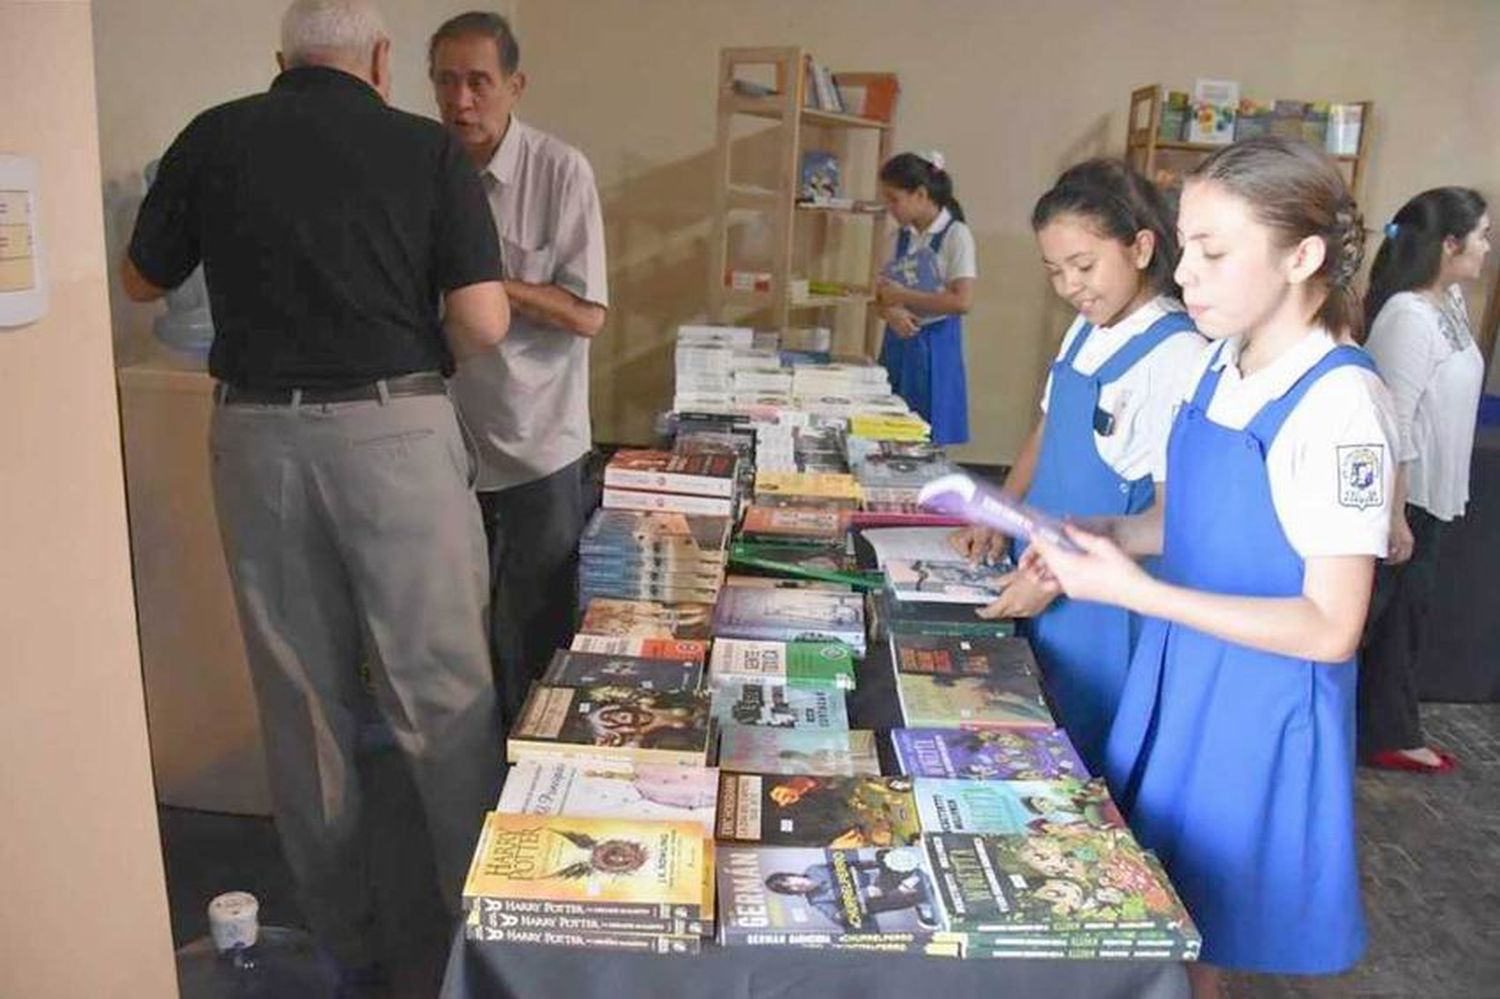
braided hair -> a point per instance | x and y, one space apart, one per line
1297 192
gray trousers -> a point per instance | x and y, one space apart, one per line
352 536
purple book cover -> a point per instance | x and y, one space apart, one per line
962 495
989 754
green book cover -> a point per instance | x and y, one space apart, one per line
830 562
797 664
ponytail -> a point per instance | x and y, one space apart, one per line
1411 255
913 171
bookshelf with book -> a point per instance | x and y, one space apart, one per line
1170 132
814 211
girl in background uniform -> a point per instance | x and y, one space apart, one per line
1420 340
1099 445
925 290
1232 753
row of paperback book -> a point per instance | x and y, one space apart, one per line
692 771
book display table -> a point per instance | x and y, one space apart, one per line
487 970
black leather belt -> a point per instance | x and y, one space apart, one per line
420 383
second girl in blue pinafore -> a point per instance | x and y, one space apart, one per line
925 288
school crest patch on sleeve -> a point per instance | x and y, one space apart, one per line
1361 475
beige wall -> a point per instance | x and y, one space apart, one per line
86 911
1011 91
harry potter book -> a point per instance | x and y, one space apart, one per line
625 870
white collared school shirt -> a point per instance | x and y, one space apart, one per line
1347 416
1144 399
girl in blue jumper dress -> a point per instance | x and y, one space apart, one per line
1099 445
1232 753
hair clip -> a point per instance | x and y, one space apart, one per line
934 158
1391 228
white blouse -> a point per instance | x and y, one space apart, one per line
1428 357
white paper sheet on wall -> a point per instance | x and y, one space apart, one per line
23 285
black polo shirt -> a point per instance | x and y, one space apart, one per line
328 224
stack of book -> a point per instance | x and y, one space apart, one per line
994 753
614 722
1091 894
645 619
794 525
572 668
783 615
1014 807
830 562
797 664
847 380
951 682
827 490
893 481
870 899
702 484
890 427
820 752
635 555
704 361
812 811
620 884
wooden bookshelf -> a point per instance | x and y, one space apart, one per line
776 198
1164 160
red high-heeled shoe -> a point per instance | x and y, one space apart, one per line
1394 759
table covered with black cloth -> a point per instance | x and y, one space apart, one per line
1460 660
514 971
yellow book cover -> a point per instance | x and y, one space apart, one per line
831 485
611 862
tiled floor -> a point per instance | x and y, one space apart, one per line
1430 855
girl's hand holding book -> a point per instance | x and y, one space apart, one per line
1101 571
1026 595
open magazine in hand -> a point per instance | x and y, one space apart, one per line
961 495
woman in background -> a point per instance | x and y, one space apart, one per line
1420 339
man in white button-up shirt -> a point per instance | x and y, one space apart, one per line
527 404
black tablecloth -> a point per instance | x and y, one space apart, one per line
1461 660
478 970
530 972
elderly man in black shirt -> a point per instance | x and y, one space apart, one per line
329 226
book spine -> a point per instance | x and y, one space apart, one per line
641 943
669 482
649 917
896 943
494 915
629 499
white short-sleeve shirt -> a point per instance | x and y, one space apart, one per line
527 403
1143 399
1436 374
956 256
1348 409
